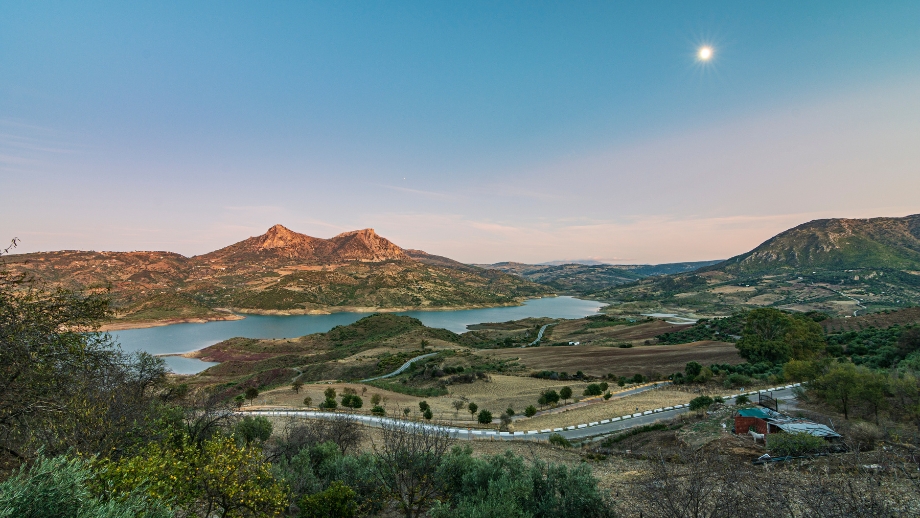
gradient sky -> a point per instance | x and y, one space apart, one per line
525 131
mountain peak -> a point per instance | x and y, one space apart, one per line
280 236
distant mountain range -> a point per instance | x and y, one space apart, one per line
279 272
589 278
838 266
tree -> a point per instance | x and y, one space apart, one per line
307 401
375 399
693 369
329 404
296 386
409 456
840 386
239 400
565 393
700 404
252 428
422 406
593 389
472 407
336 501
352 401
542 401
551 397
251 394
505 420
64 386
406 412
424 344
484 417
530 411
457 404
427 414
604 386
772 336
329 393
509 411
378 410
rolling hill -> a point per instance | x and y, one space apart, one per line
843 267
279 272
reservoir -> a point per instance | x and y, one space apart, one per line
182 338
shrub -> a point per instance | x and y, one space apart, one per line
252 428
693 369
337 501
794 444
604 386
558 440
427 414
379 410
701 403
736 380
624 345
352 401
484 417
593 389
742 400
509 411
423 405
329 404
607 396
530 411
638 378
864 435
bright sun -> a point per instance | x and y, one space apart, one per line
705 53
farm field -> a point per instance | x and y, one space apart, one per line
599 361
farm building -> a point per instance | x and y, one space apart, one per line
767 421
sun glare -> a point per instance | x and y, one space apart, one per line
705 53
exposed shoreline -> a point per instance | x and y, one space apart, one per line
240 313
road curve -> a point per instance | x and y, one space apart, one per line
401 369
539 335
576 432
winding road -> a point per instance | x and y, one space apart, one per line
401 369
576 432
539 335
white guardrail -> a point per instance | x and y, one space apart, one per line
492 433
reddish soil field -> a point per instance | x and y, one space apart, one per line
880 320
597 361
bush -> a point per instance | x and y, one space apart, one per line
736 380
329 404
794 444
530 411
352 401
378 410
701 403
59 487
864 435
337 501
252 428
484 417
624 345
427 414
607 396
593 389
558 440
742 400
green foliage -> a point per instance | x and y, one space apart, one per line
558 440
336 501
794 444
423 405
607 396
427 414
530 411
329 393
61 487
506 486
743 399
251 393
220 475
593 389
254 428
773 336
878 348
700 403
472 407
736 380
409 389
329 404
378 410
565 393
352 401
693 369
484 417
722 329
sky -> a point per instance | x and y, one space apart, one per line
482 131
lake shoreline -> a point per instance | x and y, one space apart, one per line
240 314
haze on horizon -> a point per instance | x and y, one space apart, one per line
530 131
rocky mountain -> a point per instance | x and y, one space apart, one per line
279 272
280 245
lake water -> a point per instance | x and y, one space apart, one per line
182 338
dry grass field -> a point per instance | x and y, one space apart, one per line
649 400
598 361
